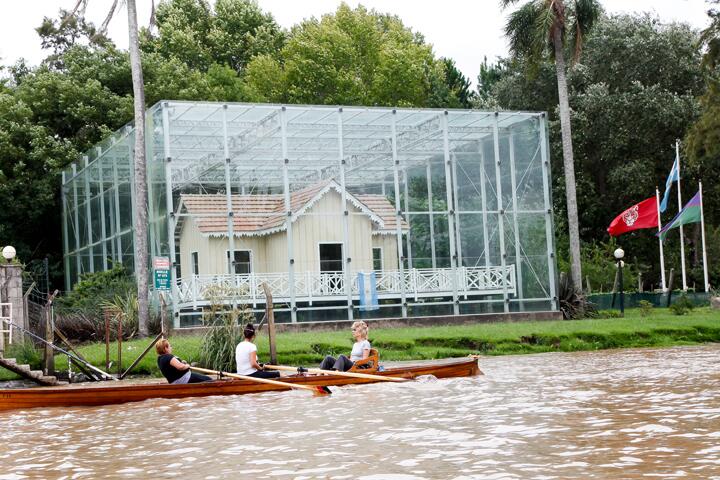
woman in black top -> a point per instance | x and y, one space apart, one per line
175 370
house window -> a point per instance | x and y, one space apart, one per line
377 258
195 263
331 257
243 262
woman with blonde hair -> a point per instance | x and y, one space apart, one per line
360 351
175 370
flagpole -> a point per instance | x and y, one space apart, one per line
662 255
702 231
679 196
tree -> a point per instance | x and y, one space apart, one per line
140 233
539 28
351 57
628 109
199 36
703 140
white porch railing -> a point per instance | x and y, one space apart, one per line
5 321
330 286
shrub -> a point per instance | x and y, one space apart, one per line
573 303
25 353
96 288
682 305
226 331
609 314
646 308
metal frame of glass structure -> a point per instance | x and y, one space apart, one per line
472 187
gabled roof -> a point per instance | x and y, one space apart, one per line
264 214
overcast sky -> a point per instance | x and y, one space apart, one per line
465 30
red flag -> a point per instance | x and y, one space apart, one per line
642 215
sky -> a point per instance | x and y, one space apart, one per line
464 30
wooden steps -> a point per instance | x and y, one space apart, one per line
25 372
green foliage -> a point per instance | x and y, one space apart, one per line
124 308
99 288
198 36
352 57
225 331
646 308
573 303
682 305
609 314
25 353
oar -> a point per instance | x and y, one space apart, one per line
315 389
335 372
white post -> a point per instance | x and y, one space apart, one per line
116 209
518 251
451 212
679 197
288 213
103 230
88 213
172 221
549 235
398 213
501 212
407 217
66 240
76 208
456 207
483 207
432 220
702 231
229 206
662 255
347 259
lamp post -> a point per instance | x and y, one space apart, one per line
619 254
8 253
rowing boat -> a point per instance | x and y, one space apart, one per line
84 395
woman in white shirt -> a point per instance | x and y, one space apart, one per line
246 357
360 350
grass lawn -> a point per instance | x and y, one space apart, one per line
660 328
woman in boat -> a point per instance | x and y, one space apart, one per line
360 351
175 370
246 357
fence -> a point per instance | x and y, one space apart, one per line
603 301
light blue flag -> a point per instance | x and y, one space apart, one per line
367 288
673 177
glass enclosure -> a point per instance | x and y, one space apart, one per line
339 213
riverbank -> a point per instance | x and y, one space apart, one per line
660 328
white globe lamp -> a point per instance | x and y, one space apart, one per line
8 253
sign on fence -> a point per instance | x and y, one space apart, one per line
161 270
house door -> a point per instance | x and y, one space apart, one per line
332 278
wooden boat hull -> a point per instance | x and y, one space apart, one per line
116 392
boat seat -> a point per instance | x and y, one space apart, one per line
366 365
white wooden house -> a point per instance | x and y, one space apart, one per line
260 230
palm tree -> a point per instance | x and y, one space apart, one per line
139 161
542 28
140 167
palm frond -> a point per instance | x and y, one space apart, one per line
546 22
78 10
152 16
106 22
581 18
506 3
521 30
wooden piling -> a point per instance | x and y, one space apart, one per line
270 315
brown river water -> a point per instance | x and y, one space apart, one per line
614 414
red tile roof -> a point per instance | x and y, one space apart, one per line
263 214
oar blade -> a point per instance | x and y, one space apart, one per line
321 391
